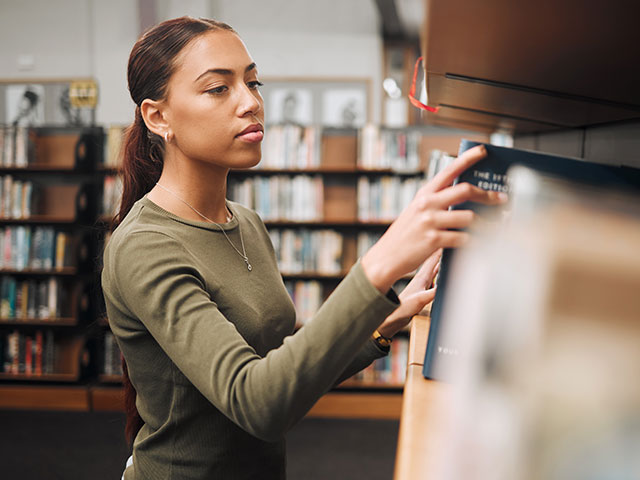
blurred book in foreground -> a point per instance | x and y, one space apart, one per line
547 311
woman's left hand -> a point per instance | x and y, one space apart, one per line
414 297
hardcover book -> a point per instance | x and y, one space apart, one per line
490 173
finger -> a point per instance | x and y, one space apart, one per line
447 219
421 299
424 277
452 171
430 297
429 267
465 192
448 238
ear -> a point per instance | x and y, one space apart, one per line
154 116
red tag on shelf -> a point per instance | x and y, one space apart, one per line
412 92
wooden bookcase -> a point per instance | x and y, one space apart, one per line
339 169
48 244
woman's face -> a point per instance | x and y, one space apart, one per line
213 106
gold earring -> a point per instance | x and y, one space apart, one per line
166 137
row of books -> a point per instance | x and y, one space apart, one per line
14 146
307 296
114 135
16 197
22 354
31 299
438 160
304 250
111 194
391 369
365 241
384 198
291 147
24 247
395 149
112 364
281 197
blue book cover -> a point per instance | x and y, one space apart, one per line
490 174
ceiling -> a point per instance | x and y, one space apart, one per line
401 20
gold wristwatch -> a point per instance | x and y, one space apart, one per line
381 340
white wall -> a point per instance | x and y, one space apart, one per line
55 35
318 39
93 38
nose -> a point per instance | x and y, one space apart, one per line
250 101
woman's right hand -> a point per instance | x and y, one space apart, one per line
425 225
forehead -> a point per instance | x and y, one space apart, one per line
217 49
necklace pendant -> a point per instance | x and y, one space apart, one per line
249 267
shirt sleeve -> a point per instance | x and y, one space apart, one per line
366 355
155 279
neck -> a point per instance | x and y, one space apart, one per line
204 188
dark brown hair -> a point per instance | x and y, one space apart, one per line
151 63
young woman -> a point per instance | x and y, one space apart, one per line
192 288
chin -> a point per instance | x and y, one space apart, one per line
246 163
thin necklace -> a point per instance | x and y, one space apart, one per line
243 254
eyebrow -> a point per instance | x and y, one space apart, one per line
225 71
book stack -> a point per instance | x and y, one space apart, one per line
365 241
437 161
14 146
291 147
307 297
281 197
30 299
24 247
112 145
397 150
384 198
111 195
16 197
22 354
390 369
309 251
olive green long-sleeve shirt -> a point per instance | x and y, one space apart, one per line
209 347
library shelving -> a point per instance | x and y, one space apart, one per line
326 195
47 207
324 203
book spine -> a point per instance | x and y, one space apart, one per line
61 247
28 355
37 369
52 302
49 353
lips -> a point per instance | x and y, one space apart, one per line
253 133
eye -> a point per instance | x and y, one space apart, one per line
255 84
218 90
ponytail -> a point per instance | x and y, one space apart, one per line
151 64
142 160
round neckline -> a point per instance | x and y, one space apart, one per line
216 227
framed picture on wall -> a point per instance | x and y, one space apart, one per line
47 102
317 102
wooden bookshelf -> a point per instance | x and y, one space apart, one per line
115 379
539 66
381 406
40 322
44 397
334 170
57 164
49 272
